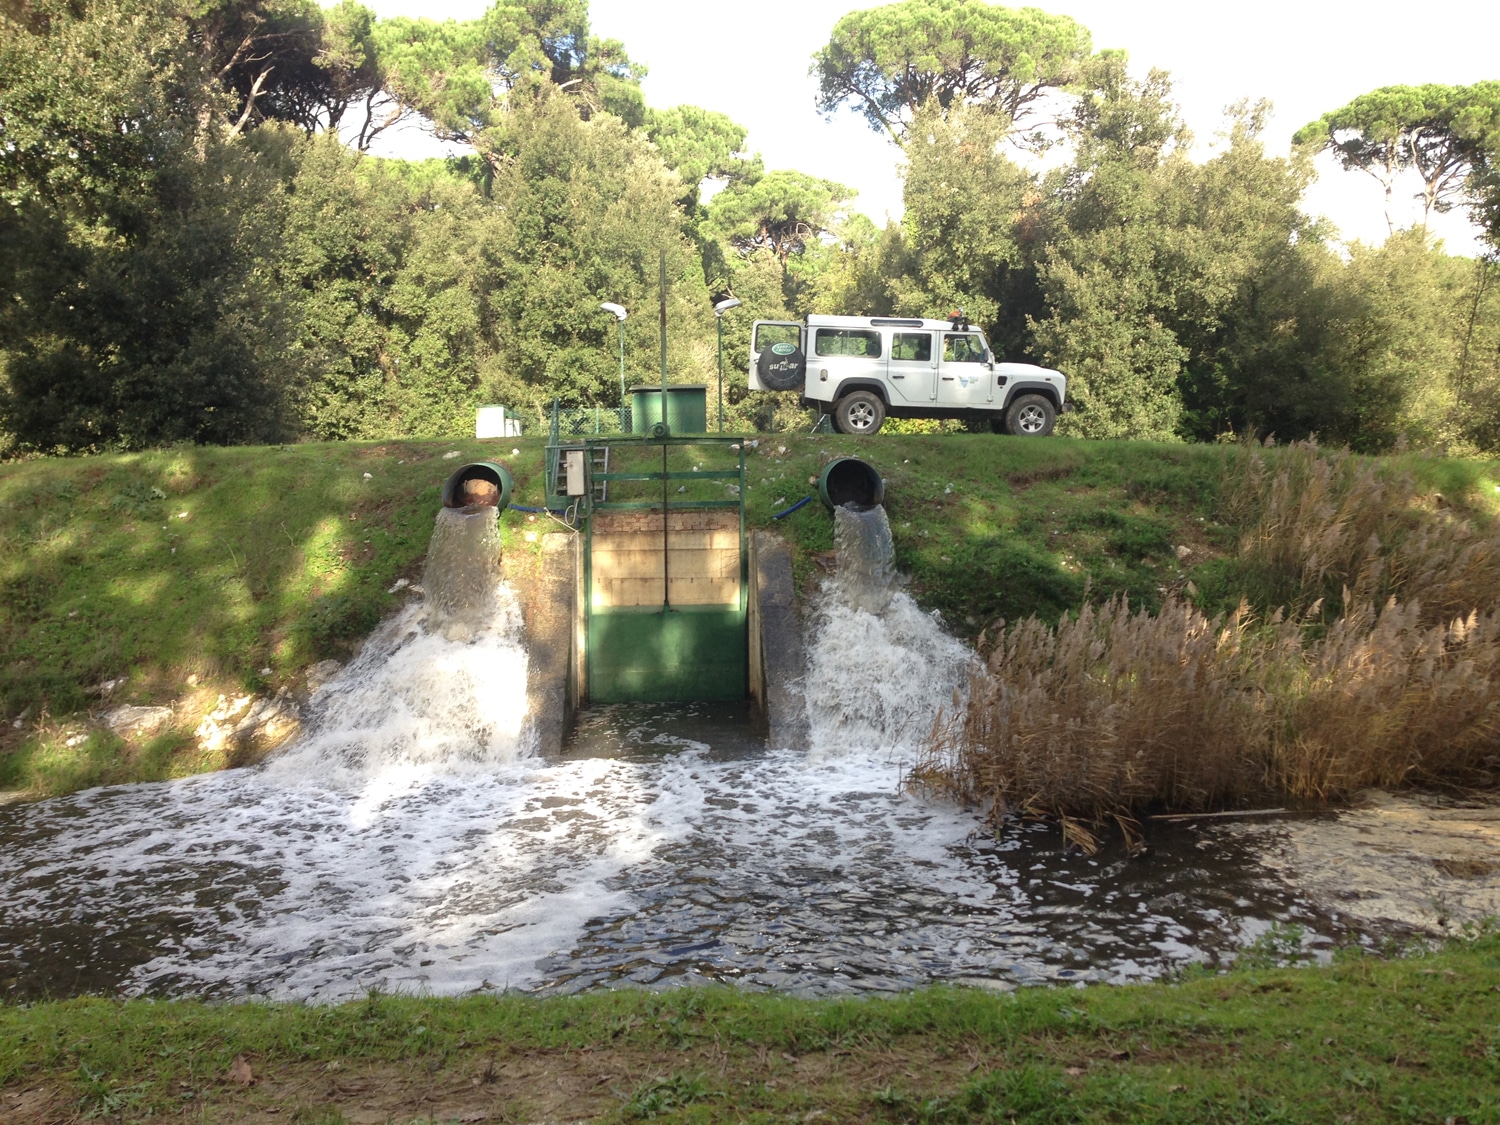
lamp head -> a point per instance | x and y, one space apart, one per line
617 310
722 307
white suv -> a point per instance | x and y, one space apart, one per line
865 369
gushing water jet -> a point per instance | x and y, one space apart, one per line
881 672
461 575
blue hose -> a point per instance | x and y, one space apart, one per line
524 508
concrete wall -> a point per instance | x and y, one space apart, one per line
778 659
548 594
705 558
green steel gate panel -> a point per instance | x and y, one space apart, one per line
686 654
689 653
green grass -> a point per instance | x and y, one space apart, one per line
285 556
187 571
989 527
1361 1040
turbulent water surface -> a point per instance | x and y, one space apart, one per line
411 841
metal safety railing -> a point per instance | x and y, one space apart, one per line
568 427
673 504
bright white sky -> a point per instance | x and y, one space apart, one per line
750 61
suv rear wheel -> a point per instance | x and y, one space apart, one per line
1031 416
859 412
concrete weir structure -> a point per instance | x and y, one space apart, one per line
661 594
778 656
549 598
665 617
772 663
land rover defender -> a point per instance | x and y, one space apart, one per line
865 369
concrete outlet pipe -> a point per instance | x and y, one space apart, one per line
850 481
483 484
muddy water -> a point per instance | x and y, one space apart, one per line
411 841
1429 862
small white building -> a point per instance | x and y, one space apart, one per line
496 422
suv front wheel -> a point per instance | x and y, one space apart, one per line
859 412
1031 416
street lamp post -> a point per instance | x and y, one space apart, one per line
720 308
619 314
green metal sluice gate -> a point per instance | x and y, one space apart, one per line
665 567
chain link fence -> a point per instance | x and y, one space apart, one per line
589 421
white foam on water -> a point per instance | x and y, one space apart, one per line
439 688
880 681
409 842
881 671
440 883
674 865
415 702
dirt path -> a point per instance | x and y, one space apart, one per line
532 1086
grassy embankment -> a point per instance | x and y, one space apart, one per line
193 572
1362 1040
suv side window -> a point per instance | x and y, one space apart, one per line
847 341
959 348
911 345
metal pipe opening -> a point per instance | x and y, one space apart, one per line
484 484
850 482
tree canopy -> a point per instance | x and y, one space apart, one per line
195 244
887 62
780 211
135 239
464 76
1440 132
699 144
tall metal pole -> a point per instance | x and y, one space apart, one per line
622 377
666 523
619 313
666 536
720 308
662 281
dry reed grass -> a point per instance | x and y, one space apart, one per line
1117 712
1318 524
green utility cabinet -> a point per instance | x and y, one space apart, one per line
687 409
